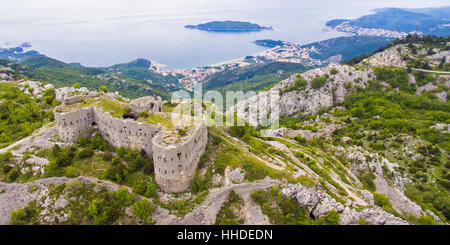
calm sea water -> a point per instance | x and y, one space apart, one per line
107 32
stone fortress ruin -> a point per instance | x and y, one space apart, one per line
176 151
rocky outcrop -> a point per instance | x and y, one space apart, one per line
317 201
389 57
325 132
16 195
374 216
340 79
320 203
34 88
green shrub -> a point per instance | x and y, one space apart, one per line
152 188
300 139
103 88
107 156
382 200
144 114
12 175
143 210
254 171
71 172
367 181
116 171
229 213
397 77
140 187
24 216
331 218
318 81
85 153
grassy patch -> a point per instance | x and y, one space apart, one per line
229 213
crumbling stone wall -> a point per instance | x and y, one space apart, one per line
125 132
175 165
72 124
146 104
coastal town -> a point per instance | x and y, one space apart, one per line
348 28
286 52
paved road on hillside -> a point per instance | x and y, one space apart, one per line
430 71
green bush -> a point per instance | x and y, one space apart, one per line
152 189
331 218
397 77
116 171
103 88
12 175
318 81
144 114
382 200
229 213
367 181
85 153
140 187
143 210
24 216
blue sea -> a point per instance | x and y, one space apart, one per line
107 32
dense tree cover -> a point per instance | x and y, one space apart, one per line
16 70
252 77
228 25
348 47
21 114
396 77
393 112
62 74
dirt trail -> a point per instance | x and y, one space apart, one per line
205 213
42 130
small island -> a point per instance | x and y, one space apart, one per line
269 43
228 26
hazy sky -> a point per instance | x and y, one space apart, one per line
99 8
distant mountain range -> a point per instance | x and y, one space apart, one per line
17 54
429 21
228 26
131 79
348 47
